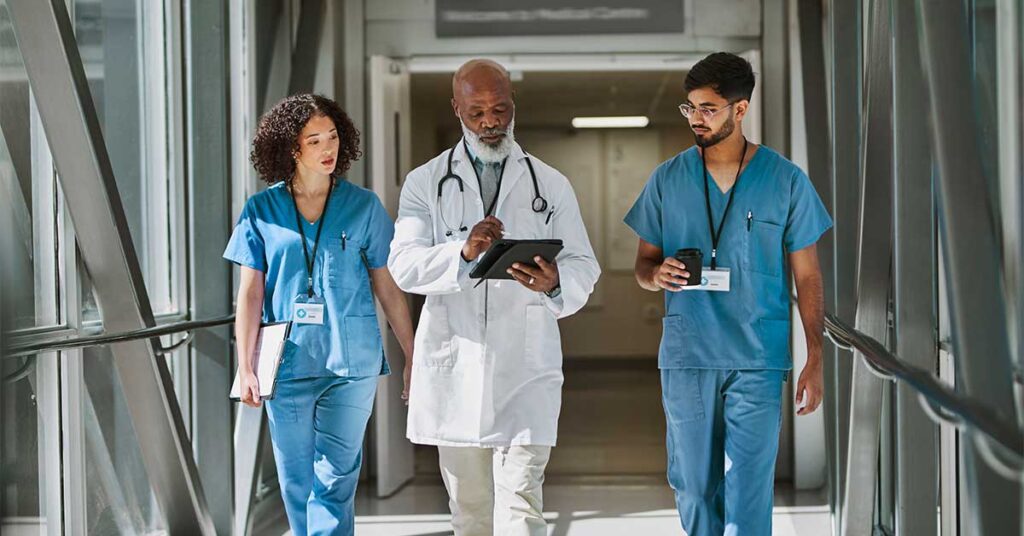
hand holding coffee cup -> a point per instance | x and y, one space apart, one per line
693 259
676 272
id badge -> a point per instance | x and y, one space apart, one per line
308 310
712 280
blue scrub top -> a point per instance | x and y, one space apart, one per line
266 238
747 327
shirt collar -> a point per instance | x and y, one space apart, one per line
477 163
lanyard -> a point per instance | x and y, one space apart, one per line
497 191
316 242
717 234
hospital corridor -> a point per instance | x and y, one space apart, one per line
545 267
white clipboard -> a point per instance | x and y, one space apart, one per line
266 358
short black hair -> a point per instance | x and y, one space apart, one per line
729 75
277 136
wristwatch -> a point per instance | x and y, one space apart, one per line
555 292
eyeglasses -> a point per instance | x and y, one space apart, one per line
688 111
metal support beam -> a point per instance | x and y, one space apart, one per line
972 257
916 319
845 27
307 44
57 76
873 276
208 142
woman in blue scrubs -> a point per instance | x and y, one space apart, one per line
313 249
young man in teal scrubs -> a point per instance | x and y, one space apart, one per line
725 355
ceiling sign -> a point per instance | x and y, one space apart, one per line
490 18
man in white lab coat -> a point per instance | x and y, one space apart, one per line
487 368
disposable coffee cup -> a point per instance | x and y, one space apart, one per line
693 259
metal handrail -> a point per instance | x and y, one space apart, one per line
22 350
967 412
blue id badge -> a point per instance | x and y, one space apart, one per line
308 310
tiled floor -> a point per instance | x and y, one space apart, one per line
639 507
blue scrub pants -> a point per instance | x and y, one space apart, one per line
317 426
723 436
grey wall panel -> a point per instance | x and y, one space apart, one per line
207 139
810 19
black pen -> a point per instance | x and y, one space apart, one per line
750 217
550 213
344 238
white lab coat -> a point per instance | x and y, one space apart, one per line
487 367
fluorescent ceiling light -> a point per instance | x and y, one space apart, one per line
622 121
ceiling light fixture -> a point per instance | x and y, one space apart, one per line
622 121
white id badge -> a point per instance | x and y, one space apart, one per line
308 312
712 280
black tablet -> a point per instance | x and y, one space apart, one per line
496 261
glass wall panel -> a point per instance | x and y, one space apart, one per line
119 499
28 426
123 47
28 198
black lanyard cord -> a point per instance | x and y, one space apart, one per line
716 235
316 241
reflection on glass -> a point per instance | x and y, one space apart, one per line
21 444
27 191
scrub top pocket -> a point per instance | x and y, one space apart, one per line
765 247
344 264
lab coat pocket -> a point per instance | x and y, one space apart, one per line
362 339
774 335
344 266
528 224
765 247
543 342
434 338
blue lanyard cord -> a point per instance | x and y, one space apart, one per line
316 241
716 234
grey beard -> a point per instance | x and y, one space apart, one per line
490 154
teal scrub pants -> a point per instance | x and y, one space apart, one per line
723 436
317 426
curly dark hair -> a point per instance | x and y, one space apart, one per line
277 136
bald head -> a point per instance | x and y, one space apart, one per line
482 99
480 75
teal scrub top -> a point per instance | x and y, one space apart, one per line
776 210
356 236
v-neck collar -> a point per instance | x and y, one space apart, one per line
743 173
295 206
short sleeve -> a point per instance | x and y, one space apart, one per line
380 232
645 216
246 246
808 219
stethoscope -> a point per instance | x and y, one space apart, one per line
539 203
